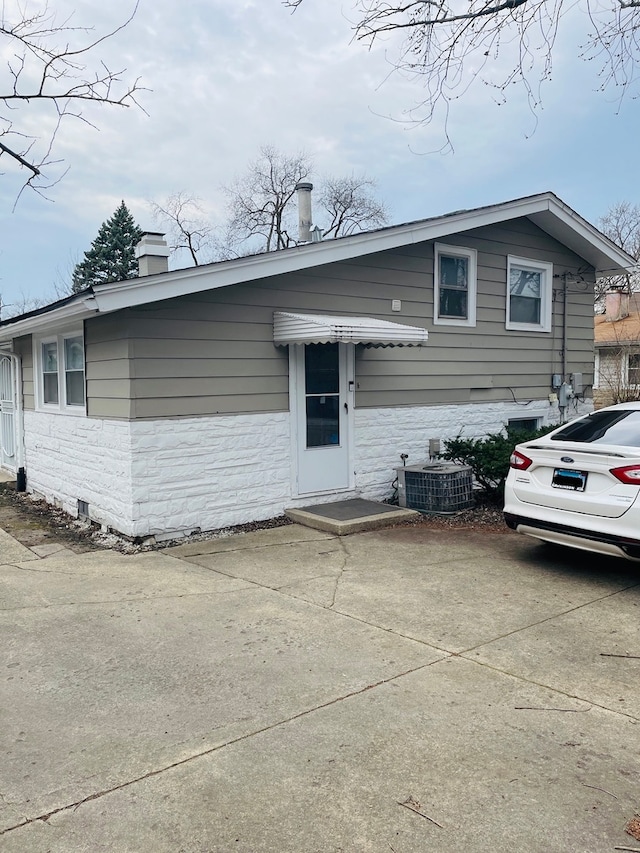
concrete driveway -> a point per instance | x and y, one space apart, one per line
289 690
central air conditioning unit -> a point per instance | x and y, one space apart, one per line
437 487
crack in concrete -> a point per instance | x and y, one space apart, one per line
447 655
23 568
556 690
341 571
133 600
160 770
549 618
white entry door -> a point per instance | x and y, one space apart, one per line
323 395
7 415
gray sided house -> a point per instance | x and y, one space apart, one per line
227 393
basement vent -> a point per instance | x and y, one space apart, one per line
83 510
439 487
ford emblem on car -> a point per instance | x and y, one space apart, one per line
566 459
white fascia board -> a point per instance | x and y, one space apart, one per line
57 318
568 227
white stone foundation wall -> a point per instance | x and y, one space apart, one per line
161 477
75 458
176 476
382 435
207 473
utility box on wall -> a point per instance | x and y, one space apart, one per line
438 487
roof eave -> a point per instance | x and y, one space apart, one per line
72 312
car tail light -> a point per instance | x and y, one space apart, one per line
627 474
521 462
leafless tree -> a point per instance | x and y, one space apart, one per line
259 200
187 226
351 206
262 204
452 44
51 63
621 223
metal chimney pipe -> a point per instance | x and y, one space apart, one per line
303 190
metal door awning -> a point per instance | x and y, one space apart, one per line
289 328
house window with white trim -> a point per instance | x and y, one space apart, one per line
633 369
455 283
60 373
529 295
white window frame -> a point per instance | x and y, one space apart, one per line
61 407
538 417
471 256
546 287
627 367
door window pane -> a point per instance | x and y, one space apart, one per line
321 371
322 389
323 420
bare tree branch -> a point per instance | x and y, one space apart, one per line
451 45
48 63
621 223
262 204
350 205
259 200
188 228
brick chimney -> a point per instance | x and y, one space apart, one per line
152 253
616 304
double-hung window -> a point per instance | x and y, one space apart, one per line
60 370
529 294
455 279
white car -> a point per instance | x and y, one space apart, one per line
579 485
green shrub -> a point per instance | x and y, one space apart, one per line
488 457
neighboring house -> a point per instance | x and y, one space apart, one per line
226 393
617 343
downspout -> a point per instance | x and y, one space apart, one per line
563 392
565 292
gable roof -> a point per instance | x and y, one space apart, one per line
545 210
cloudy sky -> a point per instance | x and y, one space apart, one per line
225 77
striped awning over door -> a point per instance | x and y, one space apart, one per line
294 328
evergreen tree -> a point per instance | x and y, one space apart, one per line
111 256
